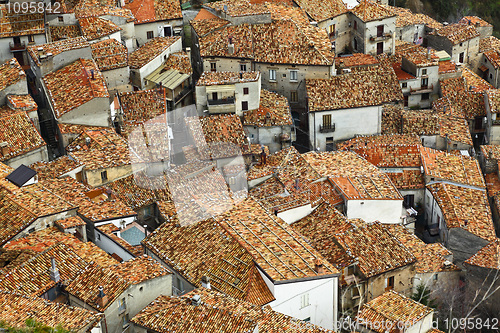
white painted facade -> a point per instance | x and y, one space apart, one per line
36 155
157 28
349 123
5 43
293 215
270 136
365 38
339 33
384 211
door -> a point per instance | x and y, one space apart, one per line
461 58
380 48
167 31
380 30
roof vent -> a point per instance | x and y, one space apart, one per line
447 263
87 141
196 300
205 282
318 266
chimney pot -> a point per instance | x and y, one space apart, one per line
196 300
318 266
53 271
205 282
102 298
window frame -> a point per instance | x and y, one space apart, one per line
292 73
150 34
272 75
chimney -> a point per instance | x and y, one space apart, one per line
318 266
102 299
87 141
53 271
428 53
145 230
4 146
230 46
205 282
92 74
196 300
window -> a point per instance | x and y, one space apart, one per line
350 270
425 83
380 47
213 67
243 67
98 236
491 76
355 44
244 105
304 300
331 30
425 97
31 39
355 292
424 71
435 277
60 19
404 85
380 30
245 91
232 180
390 283
294 76
214 96
284 75
122 305
149 35
30 231
355 25
104 175
125 320
461 44
167 31
272 75
327 120
294 97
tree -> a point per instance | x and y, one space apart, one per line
422 295
32 326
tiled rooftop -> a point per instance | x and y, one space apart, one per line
179 61
22 102
475 21
16 309
474 82
430 257
109 230
217 312
55 168
283 42
223 78
368 10
355 59
56 48
19 136
390 309
109 54
464 208
205 24
492 184
146 11
237 8
406 18
421 57
487 257
140 269
374 86
15 218
457 32
491 151
70 222
386 150
467 104
407 179
83 75
455 168
96 27
273 111
353 175
58 32
20 23
11 73
95 8
106 149
489 43
447 66
150 50
322 10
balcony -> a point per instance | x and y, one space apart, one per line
422 89
21 46
225 101
182 94
327 128
381 37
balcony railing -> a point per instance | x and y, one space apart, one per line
225 101
422 89
327 128
384 36
17 46
183 93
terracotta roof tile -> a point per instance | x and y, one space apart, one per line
96 27
19 136
20 23
466 103
140 269
223 78
70 222
355 59
457 32
464 208
16 309
406 18
474 20
150 50
389 309
77 129
146 11
238 8
203 26
94 8
322 10
109 54
56 48
15 218
407 179
22 102
489 43
492 183
11 73
83 75
487 257
368 10
58 32
460 169
373 86
109 230
273 111
447 66
55 168
179 61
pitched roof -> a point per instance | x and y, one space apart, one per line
140 269
11 73
488 43
95 27
456 168
368 10
150 50
179 61
384 313
273 111
20 23
216 312
19 136
83 75
223 78
406 18
474 20
373 86
487 257
139 107
456 32
322 10
464 208
109 54
238 8
14 218
16 308
355 59
206 23
146 11
354 176
282 41
55 168
58 32
38 51
430 257
22 102
94 8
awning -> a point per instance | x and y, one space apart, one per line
442 55
221 88
170 78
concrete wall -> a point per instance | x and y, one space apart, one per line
470 48
142 29
37 155
437 280
58 61
348 124
342 36
407 33
107 244
95 112
6 53
269 136
94 179
403 282
365 30
118 80
385 211
18 88
145 292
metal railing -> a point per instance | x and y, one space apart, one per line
327 128
225 101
